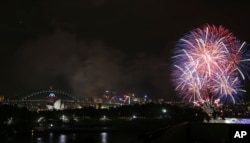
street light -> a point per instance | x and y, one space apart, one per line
164 110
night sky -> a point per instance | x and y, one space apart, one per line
89 46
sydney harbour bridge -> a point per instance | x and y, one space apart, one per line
53 99
45 98
47 95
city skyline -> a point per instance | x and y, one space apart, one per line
89 47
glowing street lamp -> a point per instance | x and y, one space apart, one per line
164 111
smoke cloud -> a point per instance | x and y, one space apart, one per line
85 68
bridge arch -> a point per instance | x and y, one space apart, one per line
48 95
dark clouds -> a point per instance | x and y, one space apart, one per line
89 46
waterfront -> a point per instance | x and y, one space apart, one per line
145 123
184 132
136 131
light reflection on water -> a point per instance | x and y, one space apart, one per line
39 140
50 137
96 137
104 137
62 138
124 136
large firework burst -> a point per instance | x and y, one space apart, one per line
209 64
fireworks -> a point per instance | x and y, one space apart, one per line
210 64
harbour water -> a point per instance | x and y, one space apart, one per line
135 131
86 137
